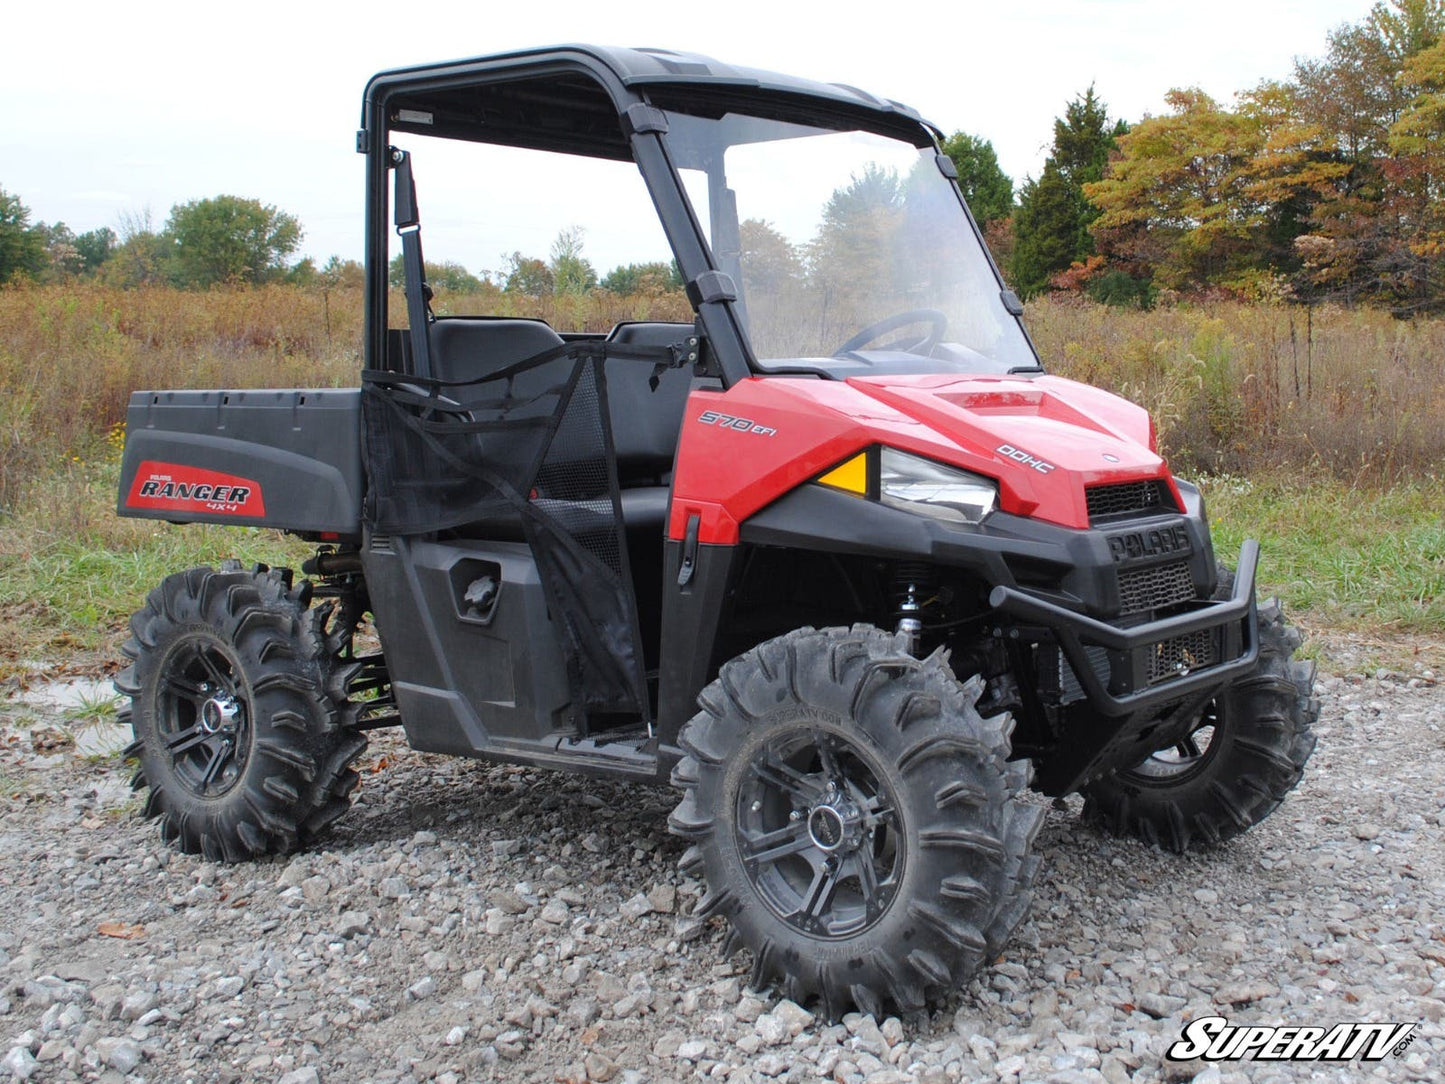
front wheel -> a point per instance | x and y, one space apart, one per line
856 820
1247 750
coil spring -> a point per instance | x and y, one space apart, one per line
913 587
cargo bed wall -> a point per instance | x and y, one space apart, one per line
286 458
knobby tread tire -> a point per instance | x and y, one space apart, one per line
967 876
297 778
1257 755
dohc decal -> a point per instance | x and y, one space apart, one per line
1018 455
170 487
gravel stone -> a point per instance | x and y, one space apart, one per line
533 965
123 1055
636 907
19 1063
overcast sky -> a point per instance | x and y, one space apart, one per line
108 109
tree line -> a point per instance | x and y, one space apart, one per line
1327 185
237 241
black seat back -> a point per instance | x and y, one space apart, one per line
470 347
646 422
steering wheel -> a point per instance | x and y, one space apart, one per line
921 344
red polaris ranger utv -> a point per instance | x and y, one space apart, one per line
836 556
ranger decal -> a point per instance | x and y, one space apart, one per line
170 487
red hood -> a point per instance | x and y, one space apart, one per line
1044 438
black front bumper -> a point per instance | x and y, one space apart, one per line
1054 585
1232 620
1122 726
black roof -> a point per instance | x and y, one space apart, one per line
669 77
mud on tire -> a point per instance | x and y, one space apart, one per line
243 731
1248 752
856 819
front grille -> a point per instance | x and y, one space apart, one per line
1153 588
1143 498
1183 654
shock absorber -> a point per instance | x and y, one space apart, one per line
913 589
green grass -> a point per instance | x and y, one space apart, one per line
72 572
1365 561
1361 560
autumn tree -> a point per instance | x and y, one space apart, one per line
1359 242
1207 195
988 189
1416 193
526 275
656 277
1051 225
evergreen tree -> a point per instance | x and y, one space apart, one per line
22 246
988 189
1051 226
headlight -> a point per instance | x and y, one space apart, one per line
931 489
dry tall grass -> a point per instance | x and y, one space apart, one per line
1233 388
71 355
1247 389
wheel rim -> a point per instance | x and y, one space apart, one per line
1186 758
203 716
819 833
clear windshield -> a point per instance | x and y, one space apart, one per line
851 250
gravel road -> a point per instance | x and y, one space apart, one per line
468 922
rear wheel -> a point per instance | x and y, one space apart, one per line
856 819
243 730
1246 752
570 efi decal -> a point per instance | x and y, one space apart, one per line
170 487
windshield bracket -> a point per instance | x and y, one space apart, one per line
710 287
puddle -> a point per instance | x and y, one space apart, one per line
75 701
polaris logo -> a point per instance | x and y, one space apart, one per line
1018 455
1151 543
1214 1038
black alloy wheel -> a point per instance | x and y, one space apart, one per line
819 833
203 715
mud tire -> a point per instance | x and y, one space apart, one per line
1260 738
960 873
276 770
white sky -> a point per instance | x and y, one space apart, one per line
111 108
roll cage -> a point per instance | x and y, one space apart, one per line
608 103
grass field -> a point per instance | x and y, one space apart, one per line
1341 480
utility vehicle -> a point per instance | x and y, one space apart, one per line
833 553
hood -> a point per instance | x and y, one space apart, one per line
1044 438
